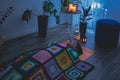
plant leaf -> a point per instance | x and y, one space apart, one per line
83 9
82 15
54 12
26 15
89 14
86 14
82 19
89 18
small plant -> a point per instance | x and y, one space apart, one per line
49 9
85 15
26 15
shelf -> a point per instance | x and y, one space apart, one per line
77 12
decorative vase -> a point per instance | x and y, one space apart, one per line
82 28
42 25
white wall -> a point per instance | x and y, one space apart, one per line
14 27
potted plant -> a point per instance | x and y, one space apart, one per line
48 8
84 17
26 15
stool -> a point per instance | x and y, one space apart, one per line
107 33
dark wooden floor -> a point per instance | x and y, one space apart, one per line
106 61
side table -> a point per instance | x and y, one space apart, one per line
72 29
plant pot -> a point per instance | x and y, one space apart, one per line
42 25
83 27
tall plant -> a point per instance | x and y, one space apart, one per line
85 16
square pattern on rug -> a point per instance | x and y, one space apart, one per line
64 60
62 77
55 49
52 69
74 74
84 66
73 54
13 75
42 56
28 65
39 74
62 45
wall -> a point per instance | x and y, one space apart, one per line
14 27
113 9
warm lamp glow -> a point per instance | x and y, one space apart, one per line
84 39
72 8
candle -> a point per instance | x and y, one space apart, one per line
84 39
72 8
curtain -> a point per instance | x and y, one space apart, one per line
98 11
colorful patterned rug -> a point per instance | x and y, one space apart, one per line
56 62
